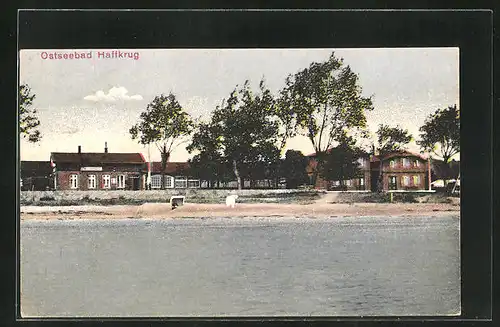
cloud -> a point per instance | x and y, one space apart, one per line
113 95
69 130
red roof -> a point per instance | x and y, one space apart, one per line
172 167
97 158
374 158
314 153
330 149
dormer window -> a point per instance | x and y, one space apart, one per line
406 162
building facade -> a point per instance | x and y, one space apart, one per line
401 171
176 176
360 183
98 171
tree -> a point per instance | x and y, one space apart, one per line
440 133
242 131
285 115
293 169
209 164
165 124
341 163
390 139
28 121
326 102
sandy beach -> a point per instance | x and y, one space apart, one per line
189 210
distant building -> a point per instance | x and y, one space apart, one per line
176 176
440 170
98 171
401 170
360 183
444 176
36 176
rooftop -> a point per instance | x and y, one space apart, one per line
97 158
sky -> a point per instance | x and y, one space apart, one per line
89 101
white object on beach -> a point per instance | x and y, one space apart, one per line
231 200
176 200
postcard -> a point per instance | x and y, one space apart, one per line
239 182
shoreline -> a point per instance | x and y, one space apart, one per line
266 210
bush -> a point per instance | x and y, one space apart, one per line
405 198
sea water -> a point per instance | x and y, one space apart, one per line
241 267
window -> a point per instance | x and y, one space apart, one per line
416 180
91 182
156 181
181 182
392 183
120 181
406 180
169 182
106 181
194 183
392 163
348 182
336 183
406 162
73 181
361 183
416 163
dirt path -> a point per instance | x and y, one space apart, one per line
164 211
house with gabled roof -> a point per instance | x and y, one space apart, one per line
401 171
98 170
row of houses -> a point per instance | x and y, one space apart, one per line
130 171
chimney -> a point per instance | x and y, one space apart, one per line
105 147
79 149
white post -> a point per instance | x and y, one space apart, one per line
429 166
148 180
457 181
54 172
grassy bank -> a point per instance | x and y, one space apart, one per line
346 197
298 197
247 196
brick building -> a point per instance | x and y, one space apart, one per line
402 170
98 171
360 183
